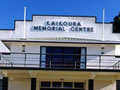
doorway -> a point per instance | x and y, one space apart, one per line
63 57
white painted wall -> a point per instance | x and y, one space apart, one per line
92 49
40 20
104 85
19 84
117 50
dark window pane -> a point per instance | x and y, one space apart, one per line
69 57
45 84
57 57
67 85
57 84
78 85
57 50
49 49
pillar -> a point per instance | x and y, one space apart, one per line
90 84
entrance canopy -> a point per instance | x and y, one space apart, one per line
62 40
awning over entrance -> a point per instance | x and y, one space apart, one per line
62 40
3 48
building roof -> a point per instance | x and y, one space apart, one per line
62 40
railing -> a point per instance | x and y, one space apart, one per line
4 61
59 61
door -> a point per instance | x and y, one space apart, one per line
63 57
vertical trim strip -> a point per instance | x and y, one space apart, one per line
91 84
33 83
5 83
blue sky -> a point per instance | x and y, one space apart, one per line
13 9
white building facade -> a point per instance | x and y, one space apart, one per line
60 52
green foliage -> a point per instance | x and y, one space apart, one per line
116 24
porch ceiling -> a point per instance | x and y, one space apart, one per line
60 75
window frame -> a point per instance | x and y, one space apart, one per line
62 85
65 47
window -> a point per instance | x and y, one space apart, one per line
57 84
45 84
67 85
62 85
79 85
63 57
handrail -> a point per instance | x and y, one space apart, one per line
116 65
16 59
56 54
2 58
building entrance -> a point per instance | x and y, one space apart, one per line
63 57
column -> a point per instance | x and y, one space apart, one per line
33 83
5 83
117 84
90 84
